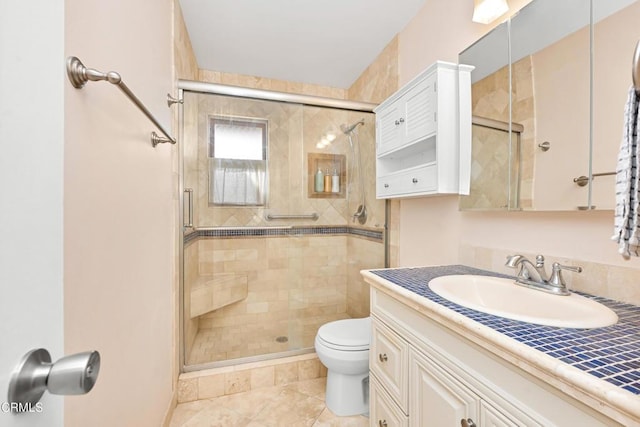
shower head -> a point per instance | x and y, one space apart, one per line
347 129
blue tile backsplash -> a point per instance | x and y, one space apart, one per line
611 353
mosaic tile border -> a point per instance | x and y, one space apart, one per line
231 232
611 353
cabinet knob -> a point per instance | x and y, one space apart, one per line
386 186
401 120
414 180
397 122
382 423
467 423
383 357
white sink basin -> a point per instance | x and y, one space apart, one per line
502 297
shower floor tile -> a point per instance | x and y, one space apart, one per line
296 404
233 342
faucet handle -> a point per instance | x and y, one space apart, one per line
556 278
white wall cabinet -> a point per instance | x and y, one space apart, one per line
425 375
423 135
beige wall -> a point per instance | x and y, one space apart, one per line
118 214
433 231
614 41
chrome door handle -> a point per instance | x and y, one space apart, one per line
35 374
189 224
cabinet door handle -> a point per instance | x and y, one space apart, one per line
383 357
401 120
397 122
414 180
467 423
386 186
382 423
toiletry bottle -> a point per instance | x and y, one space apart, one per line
319 181
327 181
335 182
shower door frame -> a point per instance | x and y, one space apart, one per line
239 92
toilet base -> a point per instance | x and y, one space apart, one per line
347 395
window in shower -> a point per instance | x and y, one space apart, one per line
237 161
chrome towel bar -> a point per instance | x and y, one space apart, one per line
584 180
79 75
271 217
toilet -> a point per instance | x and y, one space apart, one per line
343 347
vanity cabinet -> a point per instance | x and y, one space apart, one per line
423 135
424 374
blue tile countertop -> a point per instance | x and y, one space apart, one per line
610 353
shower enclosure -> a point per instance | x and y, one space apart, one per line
279 218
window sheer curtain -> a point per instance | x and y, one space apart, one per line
237 182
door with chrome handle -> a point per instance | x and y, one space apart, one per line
35 374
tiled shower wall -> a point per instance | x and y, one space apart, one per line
293 132
295 283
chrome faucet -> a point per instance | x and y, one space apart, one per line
553 284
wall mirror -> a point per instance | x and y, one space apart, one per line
548 95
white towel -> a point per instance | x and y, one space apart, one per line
627 212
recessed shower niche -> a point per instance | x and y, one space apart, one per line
259 279
326 175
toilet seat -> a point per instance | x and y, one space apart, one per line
346 335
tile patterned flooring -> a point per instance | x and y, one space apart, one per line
296 404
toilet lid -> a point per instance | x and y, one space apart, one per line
347 334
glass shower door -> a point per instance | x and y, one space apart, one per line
272 253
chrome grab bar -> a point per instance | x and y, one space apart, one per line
584 180
79 75
270 217
189 191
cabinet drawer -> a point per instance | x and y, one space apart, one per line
384 412
419 180
388 361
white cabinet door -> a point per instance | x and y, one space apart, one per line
419 111
383 411
388 127
437 399
389 362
